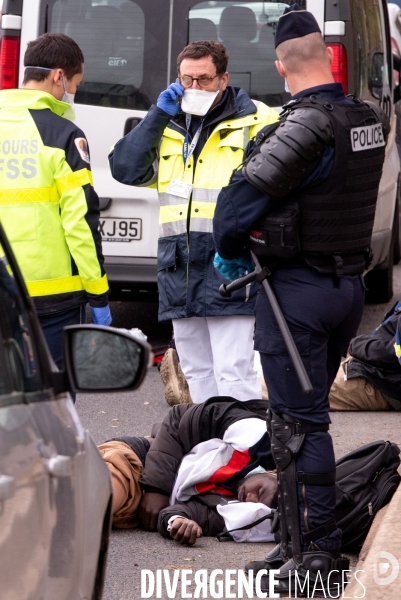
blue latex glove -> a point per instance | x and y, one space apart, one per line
102 315
169 99
233 268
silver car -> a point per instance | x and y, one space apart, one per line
55 489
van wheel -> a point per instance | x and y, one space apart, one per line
379 282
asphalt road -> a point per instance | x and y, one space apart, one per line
107 416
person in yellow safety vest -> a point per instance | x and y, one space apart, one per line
48 206
188 146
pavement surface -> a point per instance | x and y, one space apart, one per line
107 416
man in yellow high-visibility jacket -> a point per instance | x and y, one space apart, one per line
48 205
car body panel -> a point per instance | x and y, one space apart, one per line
55 488
26 515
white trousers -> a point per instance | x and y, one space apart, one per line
216 356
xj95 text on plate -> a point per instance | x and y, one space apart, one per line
120 230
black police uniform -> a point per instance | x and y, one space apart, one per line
331 186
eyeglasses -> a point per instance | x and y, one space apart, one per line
204 81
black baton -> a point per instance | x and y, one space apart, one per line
261 275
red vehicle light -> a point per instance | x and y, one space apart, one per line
9 59
339 66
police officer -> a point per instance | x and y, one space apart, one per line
312 182
48 205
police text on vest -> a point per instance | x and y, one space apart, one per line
367 137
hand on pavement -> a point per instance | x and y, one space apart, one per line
185 531
101 315
169 99
151 504
233 268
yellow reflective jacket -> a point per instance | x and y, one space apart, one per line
188 282
152 155
48 206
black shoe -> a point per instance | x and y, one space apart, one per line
320 575
274 560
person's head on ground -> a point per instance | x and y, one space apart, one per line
202 65
261 487
54 63
304 61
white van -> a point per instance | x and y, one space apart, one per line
130 47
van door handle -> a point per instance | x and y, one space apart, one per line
131 123
59 466
7 487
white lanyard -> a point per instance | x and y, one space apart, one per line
187 153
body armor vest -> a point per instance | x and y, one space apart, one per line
336 216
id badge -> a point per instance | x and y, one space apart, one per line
180 189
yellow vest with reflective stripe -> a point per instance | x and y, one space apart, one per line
42 202
222 154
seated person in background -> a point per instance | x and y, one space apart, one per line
200 457
370 377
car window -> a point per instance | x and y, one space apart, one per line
18 361
111 35
130 47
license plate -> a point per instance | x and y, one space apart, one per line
120 230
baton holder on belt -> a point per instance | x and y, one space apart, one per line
261 276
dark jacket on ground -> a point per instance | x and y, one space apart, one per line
373 357
186 426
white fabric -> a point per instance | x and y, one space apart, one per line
208 457
237 514
216 356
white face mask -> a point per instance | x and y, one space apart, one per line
197 102
68 98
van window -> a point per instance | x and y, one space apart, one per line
247 30
370 49
111 36
130 46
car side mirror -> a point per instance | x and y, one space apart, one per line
375 82
103 359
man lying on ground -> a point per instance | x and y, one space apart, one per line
200 459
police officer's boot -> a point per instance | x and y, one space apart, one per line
308 565
276 557
319 575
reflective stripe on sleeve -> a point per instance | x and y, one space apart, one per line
100 286
74 180
25 195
